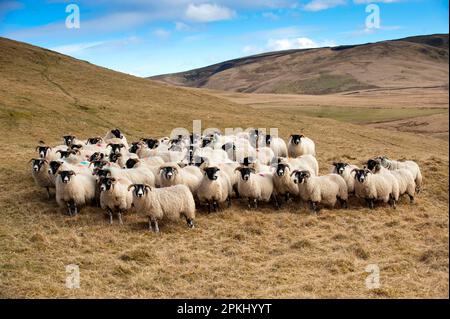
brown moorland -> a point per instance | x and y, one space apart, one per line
233 253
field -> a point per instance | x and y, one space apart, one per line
234 253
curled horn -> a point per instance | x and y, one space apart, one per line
132 185
294 172
72 173
146 186
31 160
354 170
238 169
58 151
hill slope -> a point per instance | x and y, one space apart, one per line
411 62
233 253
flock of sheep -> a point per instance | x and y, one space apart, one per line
168 177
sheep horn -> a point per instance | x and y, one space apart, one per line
147 186
294 172
132 185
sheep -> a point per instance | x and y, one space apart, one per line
326 189
50 153
157 203
372 187
113 135
256 165
136 175
41 175
114 196
283 183
213 155
265 155
277 144
172 174
404 177
215 188
347 173
239 150
152 163
412 166
255 187
74 190
300 145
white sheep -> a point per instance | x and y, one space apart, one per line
278 145
412 166
300 145
169 202
74 190
255 186
326 189
215 188
136 175
115 197
113 135
404 177
172 174
376 187
41 175
265 155
348 174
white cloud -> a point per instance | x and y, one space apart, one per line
161 33
181 26
318 5
207 12
83 47
287 44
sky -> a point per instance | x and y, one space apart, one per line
150 37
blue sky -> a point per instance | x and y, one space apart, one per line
148 37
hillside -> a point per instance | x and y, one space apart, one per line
420 61
234 253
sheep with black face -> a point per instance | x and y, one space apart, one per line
74 190
326 189
300 145
375 187
346 171
277 144
116 136
215 188
412 166
115 197
41 175
255 186
158 203
172 174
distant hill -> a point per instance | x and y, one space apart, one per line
418 61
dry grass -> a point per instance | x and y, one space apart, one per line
234 253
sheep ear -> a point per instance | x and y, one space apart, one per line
334 164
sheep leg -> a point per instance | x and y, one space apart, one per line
255 201
69 209
215 206
343 202
110 214
275 200
287 197
119 214
48 193
392 202
370 203
190 222
313 207
150 224
249 203
209 207
229 202
411 199
155 222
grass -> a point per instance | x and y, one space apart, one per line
324 83
234 253
362 115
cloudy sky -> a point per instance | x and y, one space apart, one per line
149 37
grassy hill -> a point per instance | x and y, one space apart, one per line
234 253
420 61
